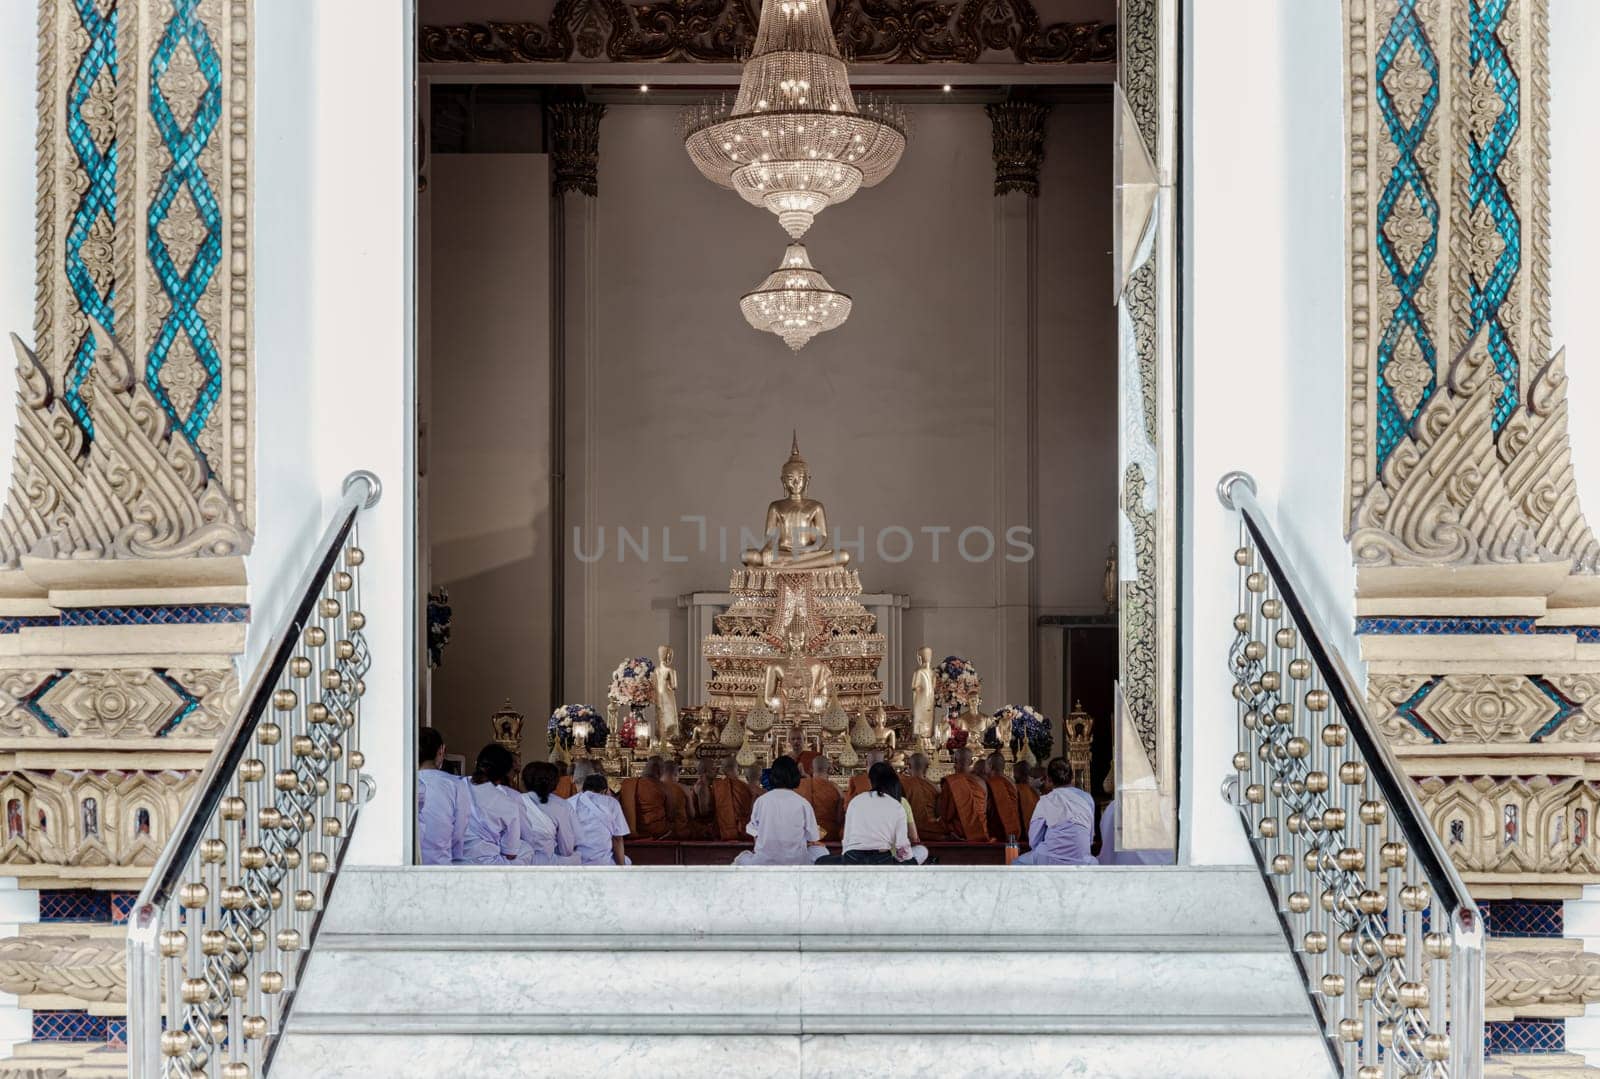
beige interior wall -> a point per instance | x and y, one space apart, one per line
488 447
896 411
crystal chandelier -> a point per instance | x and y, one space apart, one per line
795 301
794 139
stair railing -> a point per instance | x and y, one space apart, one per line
1389 944
219 936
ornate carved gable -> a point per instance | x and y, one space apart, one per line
722 31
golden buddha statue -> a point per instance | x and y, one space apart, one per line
797 526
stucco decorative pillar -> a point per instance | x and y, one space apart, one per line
122 540
573 130
1018 128
1478 597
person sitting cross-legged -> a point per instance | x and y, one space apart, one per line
1062 829
547 821
601 824
783 823
444 805
875 831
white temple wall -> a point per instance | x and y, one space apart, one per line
1575 318
1264 351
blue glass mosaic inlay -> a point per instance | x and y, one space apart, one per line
196 614
1405 183
14 623
74 905
68 1027
1431 627
1408 710
88 113
185 179
1487 197
1524 917
1525 1036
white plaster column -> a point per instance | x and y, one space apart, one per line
1018 131
574 130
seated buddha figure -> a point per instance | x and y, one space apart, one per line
797 526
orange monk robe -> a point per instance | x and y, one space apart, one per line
859 784
628 795
966 807
732 799
827 804
683 825
650 802
1027 802
565 787
804 761
1004 811
924 799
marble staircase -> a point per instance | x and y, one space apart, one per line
1128 971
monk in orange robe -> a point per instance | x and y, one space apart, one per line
628 795
965 799
565 787
1027 797
924 799
679 815
802 756
859 783
731 797
826 802
1004 810
653 821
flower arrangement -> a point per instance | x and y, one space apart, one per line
956 683
957 739
632 683
1027 723
563 719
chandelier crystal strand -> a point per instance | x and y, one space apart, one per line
795 301
794 139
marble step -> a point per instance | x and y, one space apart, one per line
65 1060
669 971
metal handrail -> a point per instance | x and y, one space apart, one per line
186 899
1371 878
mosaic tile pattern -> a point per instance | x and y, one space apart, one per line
19 622
1564 708
184 189
68 1027
208 614
116 1032
122 906
1491 206
1525 1036
1523 917
1585 634
74 905
1409 710
94 219
1406 191
1435 627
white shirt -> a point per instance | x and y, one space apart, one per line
494 832
549 829
1061 831
874 822
600 820
443 810
1110 855
784 825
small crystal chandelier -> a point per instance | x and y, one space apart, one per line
795 301
794 139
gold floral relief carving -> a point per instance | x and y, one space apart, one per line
1485 708
111 703
1385 694
1443 499
1408 373
1537 454
17 720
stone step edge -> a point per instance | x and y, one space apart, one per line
589 1025
1131 944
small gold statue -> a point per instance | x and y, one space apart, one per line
1109 586
922 721
881 729
666 680
797 525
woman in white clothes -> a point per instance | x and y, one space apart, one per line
494 831
784 824
549 826
443 804
601 824
875 831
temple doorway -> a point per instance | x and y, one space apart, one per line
608 440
